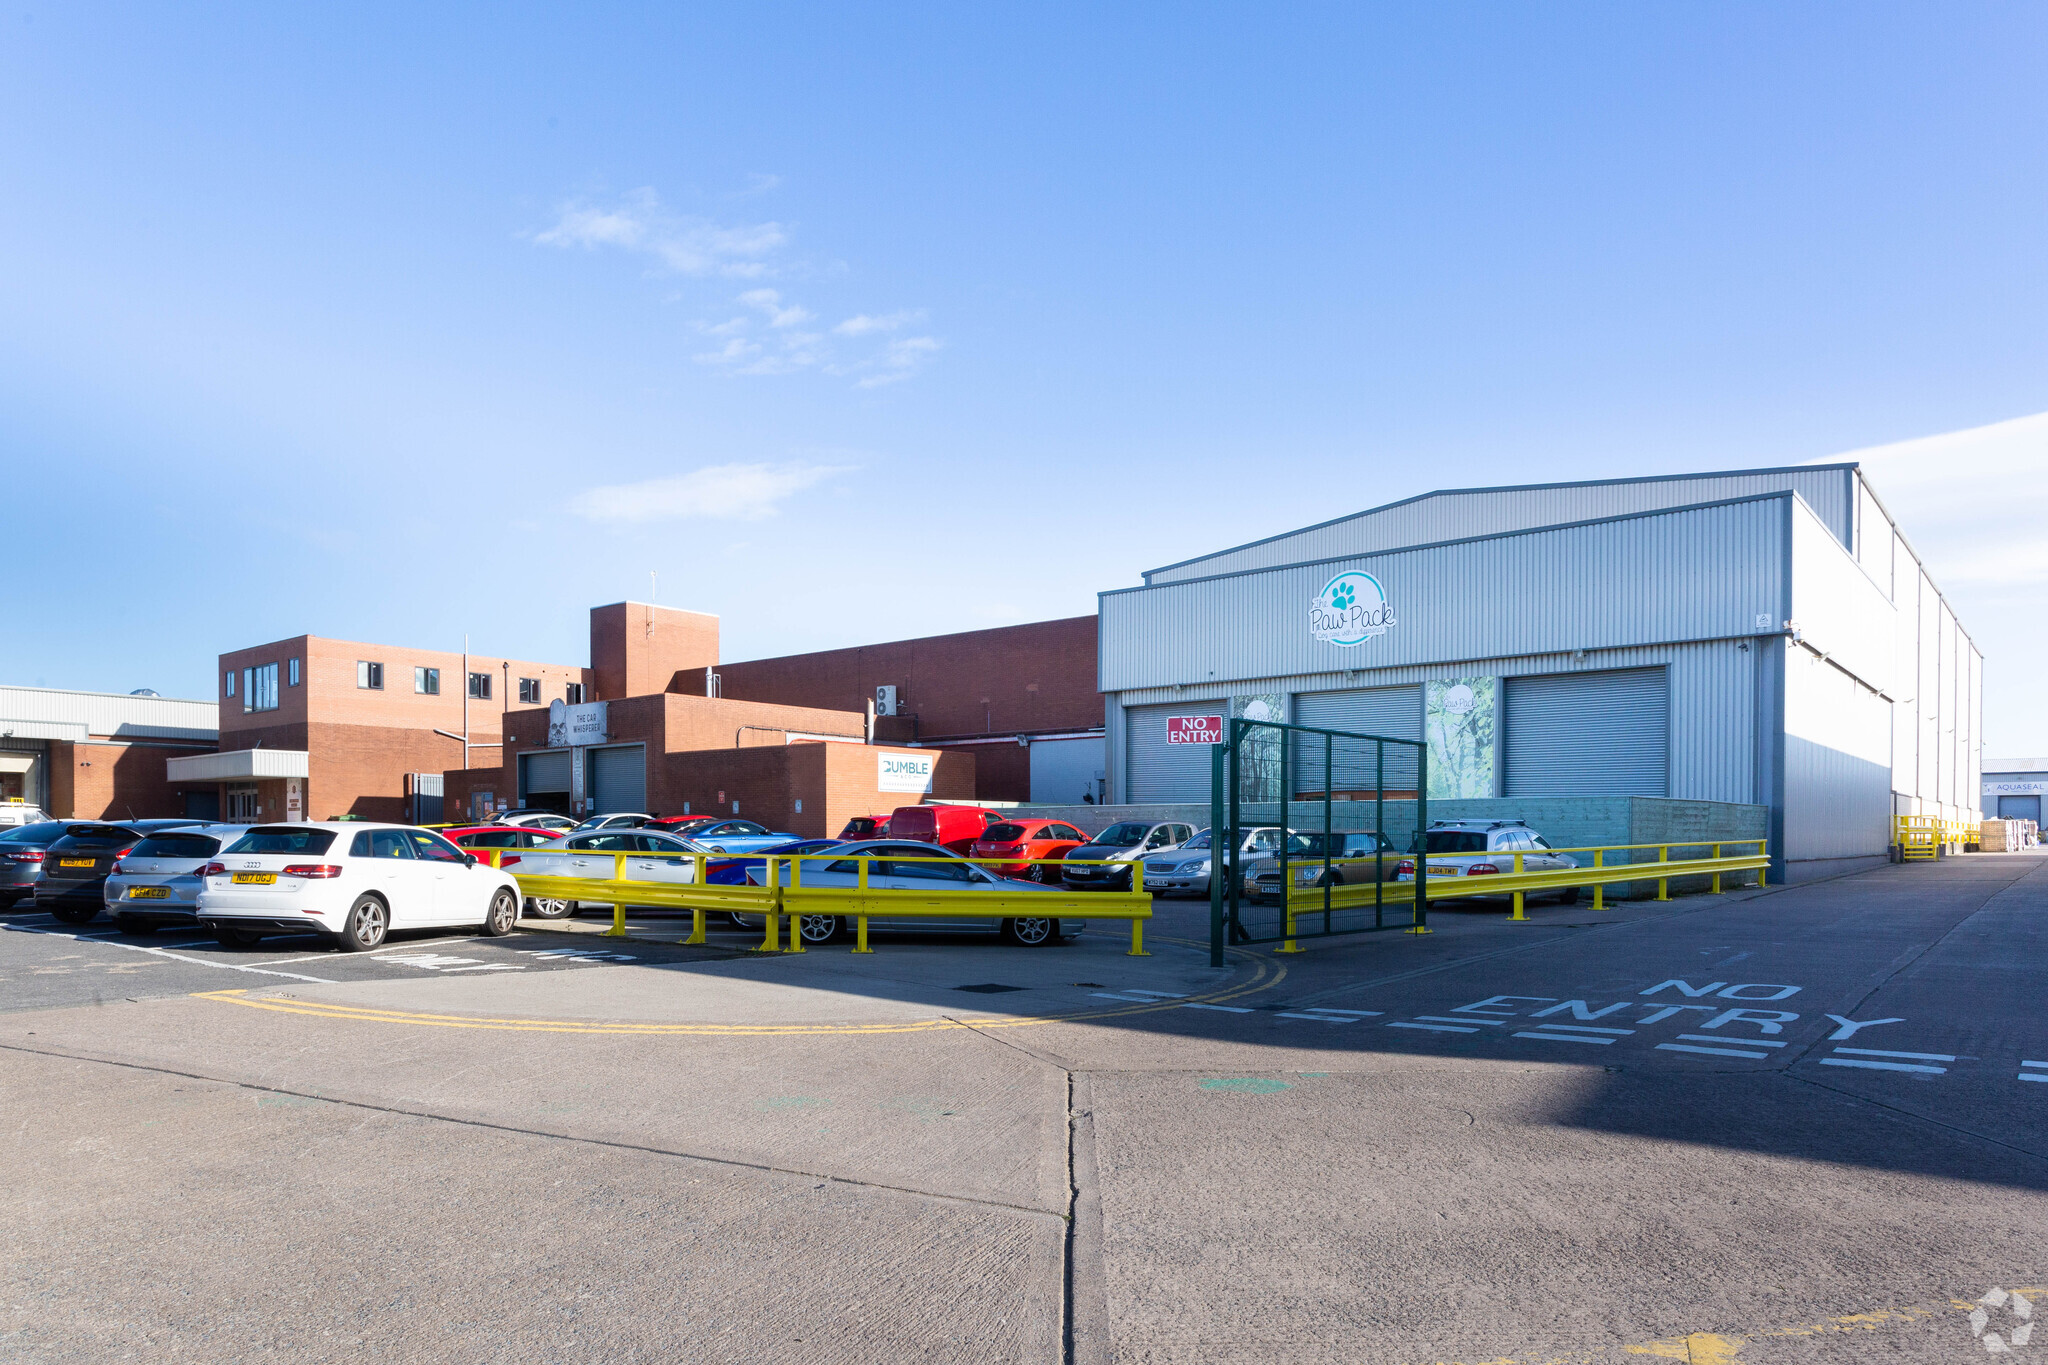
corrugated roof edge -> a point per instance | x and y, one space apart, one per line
1500 488
120 696
1784 493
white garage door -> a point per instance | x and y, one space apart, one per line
618 779
1589 734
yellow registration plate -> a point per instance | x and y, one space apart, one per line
255 878
74 862
1445 871
149 893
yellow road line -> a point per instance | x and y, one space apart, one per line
1265 976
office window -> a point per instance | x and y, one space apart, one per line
427 681
529 689
259 688
231 682
369 675
292 672
573 694
480 686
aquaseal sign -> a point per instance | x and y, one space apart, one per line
1351 609
904 772
1194 729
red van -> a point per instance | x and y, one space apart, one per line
950 827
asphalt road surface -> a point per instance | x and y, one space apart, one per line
1801 1125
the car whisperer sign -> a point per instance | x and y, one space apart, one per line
1194 729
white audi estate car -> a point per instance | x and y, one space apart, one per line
351 882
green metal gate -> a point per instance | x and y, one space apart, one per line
1289 766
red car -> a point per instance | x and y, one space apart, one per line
866 827
681 825
954 828
1022 839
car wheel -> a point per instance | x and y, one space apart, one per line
1570 896
550 909
76 914
128 924
818 928
236 938
1031 931
368 921
504 915
1041 872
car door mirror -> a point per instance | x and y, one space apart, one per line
469 860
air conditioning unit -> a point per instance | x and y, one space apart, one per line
885 701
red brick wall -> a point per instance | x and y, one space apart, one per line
834 781
636 649
97 781
1033 677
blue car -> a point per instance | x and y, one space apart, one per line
723 834
733 871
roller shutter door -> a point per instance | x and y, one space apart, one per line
544 774
1589 734
618 779
1395 712
1159 771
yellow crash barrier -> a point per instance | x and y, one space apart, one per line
785 896
1308 900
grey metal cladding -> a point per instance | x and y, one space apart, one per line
1830 490
1696 573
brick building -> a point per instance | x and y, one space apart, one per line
316 728
101 755
1021 699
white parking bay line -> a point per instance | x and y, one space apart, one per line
1434 1028
2041 1075
166 953
1566 1037
1727 1042
1883 1066
1710 1051
1240 1009
490 967
1580 1028
1446 1019
1909 1056
1323 1016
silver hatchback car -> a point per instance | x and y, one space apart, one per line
158 882
900 866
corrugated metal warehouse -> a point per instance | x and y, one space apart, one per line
1763 636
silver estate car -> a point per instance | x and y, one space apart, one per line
158 882
914 867
1484 848
1186 868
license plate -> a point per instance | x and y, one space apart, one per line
255 878
1435 871
149 893
74 862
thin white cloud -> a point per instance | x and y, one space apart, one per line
779 314
724 492
683 244
903 359
861 324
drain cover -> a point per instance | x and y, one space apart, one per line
990 988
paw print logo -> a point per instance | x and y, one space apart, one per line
1342 596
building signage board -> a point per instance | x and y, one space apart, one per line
1194 729
904 772
2035 786
583 723
1351 609
1458 721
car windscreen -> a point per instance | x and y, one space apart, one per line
177 846
1199 841
1127 835
283 840
1454 841
96 836
43 831
1003 834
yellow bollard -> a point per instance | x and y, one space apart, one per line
696 911
773 942
618 929
1287 912
1763 849
1137 938
1599 888
1717 875
860 941
1518 895
1663 883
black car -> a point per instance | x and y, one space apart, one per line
75 867
22 850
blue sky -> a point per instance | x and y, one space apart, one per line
856 324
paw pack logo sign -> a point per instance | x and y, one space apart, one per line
1351 609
